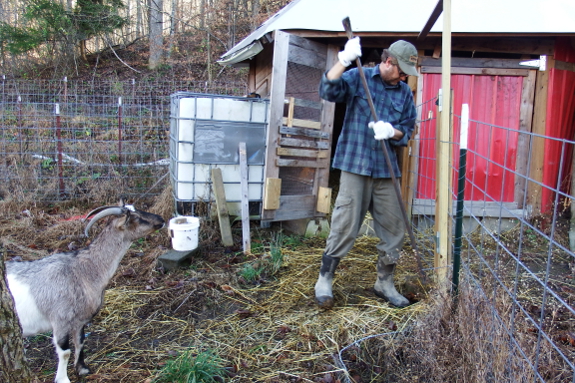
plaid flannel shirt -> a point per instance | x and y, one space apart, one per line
357 150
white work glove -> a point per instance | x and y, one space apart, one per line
382 130
351 51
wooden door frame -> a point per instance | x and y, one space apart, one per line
524 140
291 48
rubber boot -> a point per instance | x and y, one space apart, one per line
384 286
323 293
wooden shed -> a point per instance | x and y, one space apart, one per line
519 55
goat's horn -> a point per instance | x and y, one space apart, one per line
104 213
96 210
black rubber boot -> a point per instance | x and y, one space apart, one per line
323 292
384 286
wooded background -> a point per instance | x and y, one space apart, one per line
45 39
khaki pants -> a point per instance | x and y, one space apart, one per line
357 195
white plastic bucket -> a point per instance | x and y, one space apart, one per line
184 232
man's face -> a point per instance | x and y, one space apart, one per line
390 72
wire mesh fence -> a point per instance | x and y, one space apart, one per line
63 139
101 140
517 250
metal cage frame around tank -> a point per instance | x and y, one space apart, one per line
205 132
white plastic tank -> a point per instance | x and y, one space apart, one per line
205 132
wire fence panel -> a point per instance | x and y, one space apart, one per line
521 263
96 140
102 140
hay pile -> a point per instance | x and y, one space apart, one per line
270 330
266 333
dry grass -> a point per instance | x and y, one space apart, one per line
271 331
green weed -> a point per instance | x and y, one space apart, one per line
190 368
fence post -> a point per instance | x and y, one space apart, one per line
132 102
65 89
61 190
443 197
120 130
19 124
460 196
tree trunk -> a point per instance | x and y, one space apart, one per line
139 28
83 54
173 29
255 13
156 38
202 13
13 366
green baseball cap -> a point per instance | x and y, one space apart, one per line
406 56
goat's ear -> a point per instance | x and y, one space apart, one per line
122 221
122 202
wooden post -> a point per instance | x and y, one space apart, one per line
291 106
245 199
534 188
222 205
444 173
524 139
273 187
414 147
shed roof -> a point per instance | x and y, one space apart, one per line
467 16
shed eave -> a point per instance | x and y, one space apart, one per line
242 55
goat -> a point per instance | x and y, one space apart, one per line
64 291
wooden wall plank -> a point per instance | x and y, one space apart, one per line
479 71
294 142
263 72
222 207
467 42
306 103
562 65
277 97
291 152
426 207
312 133
273 188
524 139
246 235
414 149
324 200
310 45
303 123
538 145
327 117
474 62
294 207
301 163
302 56
289 119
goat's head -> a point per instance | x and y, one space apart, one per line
135 223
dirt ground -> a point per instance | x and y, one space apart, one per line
265 329
265 325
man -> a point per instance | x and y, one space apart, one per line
366 183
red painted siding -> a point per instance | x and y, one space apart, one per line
560 123
494 102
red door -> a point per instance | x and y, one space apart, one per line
494 103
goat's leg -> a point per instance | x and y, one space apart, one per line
62 343
79 364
